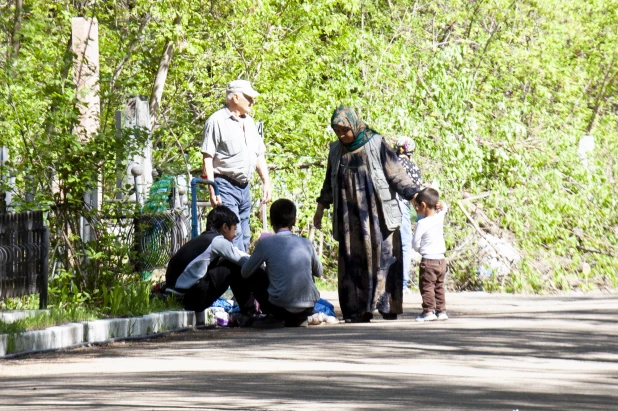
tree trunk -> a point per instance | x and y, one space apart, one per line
15 42
159 83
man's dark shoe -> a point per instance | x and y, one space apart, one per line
388 316
268 323
243 320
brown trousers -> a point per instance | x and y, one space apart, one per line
431 283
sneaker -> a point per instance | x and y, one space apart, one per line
268 323
442 316
430 316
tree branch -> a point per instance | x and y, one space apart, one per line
130 49
602 93
159 83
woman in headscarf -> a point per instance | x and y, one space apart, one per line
362 179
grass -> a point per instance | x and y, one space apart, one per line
48 319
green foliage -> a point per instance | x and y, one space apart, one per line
26 302
133 299
47 319
496 95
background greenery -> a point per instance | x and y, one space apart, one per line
495 93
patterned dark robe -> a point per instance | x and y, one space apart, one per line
370 268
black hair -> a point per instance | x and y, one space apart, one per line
429 196
220 215
282 213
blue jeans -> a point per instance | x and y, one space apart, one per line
406 242
239 201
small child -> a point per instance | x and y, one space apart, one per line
291 264
429 242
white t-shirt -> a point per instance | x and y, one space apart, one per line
429 236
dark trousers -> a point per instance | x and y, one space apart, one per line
258 283
218 278
431 283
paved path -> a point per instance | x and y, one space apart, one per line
498 352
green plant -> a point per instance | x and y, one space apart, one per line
133 299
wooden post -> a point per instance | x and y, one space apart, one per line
85 46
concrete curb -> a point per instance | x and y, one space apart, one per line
99 331
10 316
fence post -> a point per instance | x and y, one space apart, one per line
43 284
5 199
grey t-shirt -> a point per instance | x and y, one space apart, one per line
291 261
234 145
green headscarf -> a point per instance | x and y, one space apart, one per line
345 116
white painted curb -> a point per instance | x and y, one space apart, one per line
10 316
99 331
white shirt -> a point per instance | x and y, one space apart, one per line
429 236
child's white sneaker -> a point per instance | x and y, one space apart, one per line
430 316
442 316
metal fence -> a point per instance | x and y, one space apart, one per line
150 239
24 246
157 238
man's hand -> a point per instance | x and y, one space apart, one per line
267 193
317 217
214 199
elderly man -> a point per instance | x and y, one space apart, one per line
232 150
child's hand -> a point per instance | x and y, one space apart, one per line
416 257
440 205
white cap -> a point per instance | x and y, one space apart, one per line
241 86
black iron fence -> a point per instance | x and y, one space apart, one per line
24 247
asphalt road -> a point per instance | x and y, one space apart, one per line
497 352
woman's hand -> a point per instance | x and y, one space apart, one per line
317 217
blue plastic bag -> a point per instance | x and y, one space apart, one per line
323 306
